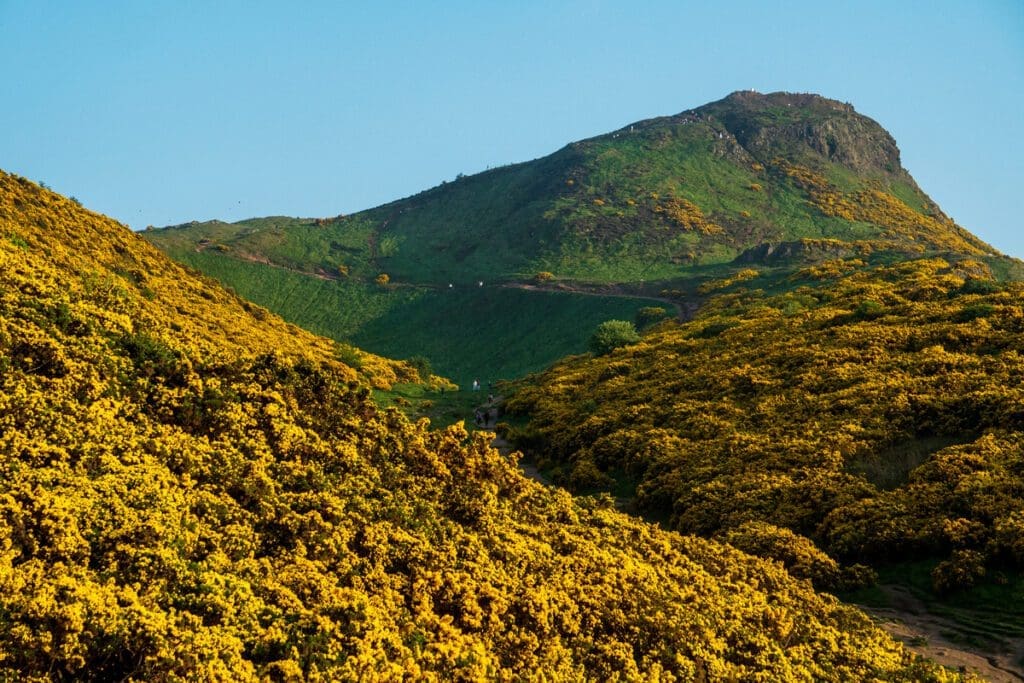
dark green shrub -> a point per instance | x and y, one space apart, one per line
422 365
612 334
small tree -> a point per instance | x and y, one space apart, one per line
612 334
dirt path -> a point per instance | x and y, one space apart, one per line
683 311
504 447
928 634
529 470
320 273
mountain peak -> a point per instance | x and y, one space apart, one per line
808 128
649 201
753 98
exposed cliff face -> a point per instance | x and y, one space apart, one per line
796 251
794 125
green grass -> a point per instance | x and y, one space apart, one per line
491 333
467 332
441 408
334 309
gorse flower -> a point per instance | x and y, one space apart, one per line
191 489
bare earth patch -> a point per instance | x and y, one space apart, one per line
934 636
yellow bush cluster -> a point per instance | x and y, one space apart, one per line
722 283
686 215
192 490
897 220
879 416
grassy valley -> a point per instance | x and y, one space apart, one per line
464 331
834 389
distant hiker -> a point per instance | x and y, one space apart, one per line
490 398
476 385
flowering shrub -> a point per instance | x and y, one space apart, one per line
877 415
192 492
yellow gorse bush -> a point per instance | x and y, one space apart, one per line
190 489
877 414
899 221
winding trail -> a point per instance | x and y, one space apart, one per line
928 634
505 448
684 311
248 257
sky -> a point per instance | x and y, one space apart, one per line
158 113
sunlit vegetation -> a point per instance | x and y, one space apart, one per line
900 222
777 181
611 335
467 332
872 418
191 489
647 202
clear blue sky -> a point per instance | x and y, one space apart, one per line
163 112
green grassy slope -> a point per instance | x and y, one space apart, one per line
646 201
773 181
766 180
467 332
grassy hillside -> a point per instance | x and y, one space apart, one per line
774 181
644 202
872 418
193 490
467 332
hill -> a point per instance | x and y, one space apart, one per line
192 489
653 209
869 415
643 202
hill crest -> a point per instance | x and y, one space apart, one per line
652 200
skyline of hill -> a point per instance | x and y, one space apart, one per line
647 201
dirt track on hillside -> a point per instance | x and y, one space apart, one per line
683 311
909 621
